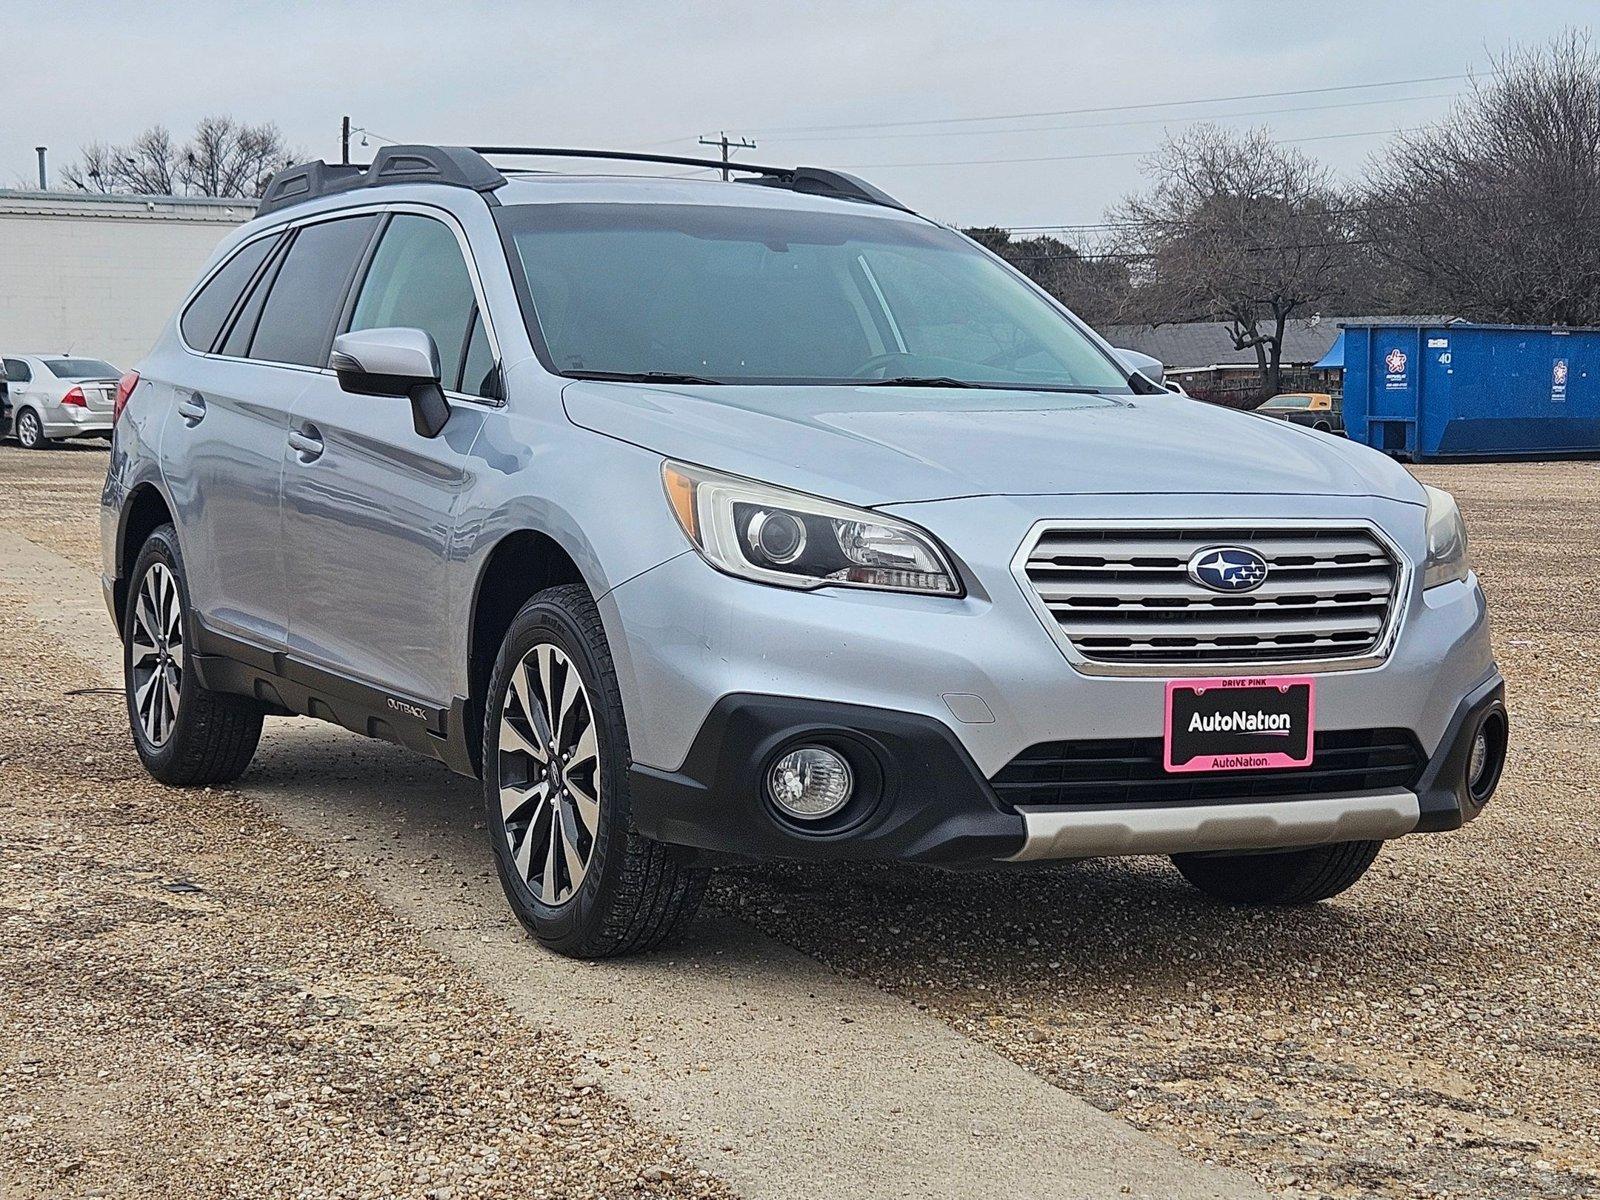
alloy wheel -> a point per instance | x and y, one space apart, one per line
549 757
29 432
157 653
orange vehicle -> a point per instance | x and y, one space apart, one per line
1316 409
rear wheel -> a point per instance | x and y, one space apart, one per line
555 783
185 734
1285 877
30 431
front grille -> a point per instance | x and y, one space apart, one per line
1124 595
1129 771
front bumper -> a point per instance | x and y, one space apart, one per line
984 680
922 798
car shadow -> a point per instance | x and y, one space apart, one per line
1119 921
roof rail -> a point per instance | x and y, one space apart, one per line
815 181
467 166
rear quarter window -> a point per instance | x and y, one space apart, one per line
202 321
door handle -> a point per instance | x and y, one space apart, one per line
192 408
307 443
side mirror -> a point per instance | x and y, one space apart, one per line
394 362
1150 368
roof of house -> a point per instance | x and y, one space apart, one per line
16 202
1199 344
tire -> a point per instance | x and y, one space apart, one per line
30 431
1323 427
630 894
205 737
1286 877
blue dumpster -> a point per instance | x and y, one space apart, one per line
1473 391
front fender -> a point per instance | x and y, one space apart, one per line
598 498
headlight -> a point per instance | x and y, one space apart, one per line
1447 540
771 535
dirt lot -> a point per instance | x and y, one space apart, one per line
286 1038
1435 1032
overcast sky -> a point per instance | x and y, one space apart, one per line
656 74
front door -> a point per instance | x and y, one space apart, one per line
370 504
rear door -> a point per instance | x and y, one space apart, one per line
370 504
259 330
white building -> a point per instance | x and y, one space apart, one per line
101 275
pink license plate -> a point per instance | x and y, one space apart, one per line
1240 724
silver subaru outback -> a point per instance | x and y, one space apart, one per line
708 521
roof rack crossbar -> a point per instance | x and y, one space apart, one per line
467 166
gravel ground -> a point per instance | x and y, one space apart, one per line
194 1002
1433 1033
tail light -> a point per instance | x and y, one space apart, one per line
75 398
125 387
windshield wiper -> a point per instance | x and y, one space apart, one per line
919 381
951 382
640 376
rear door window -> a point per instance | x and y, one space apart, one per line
18 371
419 280
208 311
307 295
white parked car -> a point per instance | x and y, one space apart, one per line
60 396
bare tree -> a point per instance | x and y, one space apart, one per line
1494 213
1236 228
1093 286
223 158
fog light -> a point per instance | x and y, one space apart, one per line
811 783
1486 757
1479 760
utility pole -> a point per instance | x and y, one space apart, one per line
727 145
44 180
344 142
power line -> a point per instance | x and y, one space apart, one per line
1073 112
1337 243
1334 210
1255 112
975 162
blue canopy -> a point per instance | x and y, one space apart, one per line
1334 358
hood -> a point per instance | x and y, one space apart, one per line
884 445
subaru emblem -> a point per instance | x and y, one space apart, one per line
1228 569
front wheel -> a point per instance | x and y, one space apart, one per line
555 783
1284 877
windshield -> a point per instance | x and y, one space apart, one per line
763 295
81 368
1289 402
